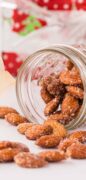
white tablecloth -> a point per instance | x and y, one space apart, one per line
66 170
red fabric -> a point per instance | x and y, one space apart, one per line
12 62
62 4
19 17
81 5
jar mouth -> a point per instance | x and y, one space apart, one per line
24 87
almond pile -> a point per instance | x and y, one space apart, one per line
49 135
63 95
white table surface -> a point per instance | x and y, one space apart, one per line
66 170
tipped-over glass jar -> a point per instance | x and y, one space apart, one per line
51 62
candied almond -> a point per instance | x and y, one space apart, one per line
53 85
48 79
45 95
10 144
78 135
48 141
75 91
53 155
5 144
75 70
65 143
28 160
70 105
7 154
37 131
61 118
5 110
9 149
58 129
77 151
70 77
19 146
15 119
69 64
52 106
23 127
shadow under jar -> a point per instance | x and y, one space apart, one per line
44 63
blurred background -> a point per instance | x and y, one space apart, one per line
29 25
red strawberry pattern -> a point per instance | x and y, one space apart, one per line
62 4
19 15
81 4
24 23
55 4
12 62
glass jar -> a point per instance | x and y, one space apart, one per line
41 64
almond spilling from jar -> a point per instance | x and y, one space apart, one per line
59 117
7 154
9 149
78 135
10 144
48 141
37 131
77 151
5 110
53 155
58 129
5 144
65 143
15 119
19 146
28 160
23 127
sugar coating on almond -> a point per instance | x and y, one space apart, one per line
78 135
28 160
5 110
45 95
48 141
77 151
53 155
70 105
52 106
37 131
75 91
23 127
58 129
15 119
